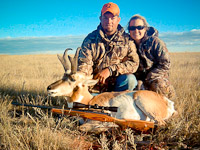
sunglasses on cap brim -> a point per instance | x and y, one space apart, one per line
132 28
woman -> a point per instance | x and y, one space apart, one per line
154 57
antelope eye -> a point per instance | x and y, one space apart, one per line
66 76
73 80
73 77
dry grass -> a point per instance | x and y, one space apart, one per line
26 77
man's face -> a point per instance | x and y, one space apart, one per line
109 23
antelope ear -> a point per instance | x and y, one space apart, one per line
90 82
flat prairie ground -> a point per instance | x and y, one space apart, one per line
26 77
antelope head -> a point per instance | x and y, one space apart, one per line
71 78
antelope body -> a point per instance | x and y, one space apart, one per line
138 105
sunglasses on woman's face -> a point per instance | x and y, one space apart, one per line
132 28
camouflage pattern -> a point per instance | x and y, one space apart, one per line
117 53
154 64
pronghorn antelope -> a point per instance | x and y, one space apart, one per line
138 105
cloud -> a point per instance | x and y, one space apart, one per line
175 41
30 45
195 30
182 41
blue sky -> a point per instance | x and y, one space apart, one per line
26 20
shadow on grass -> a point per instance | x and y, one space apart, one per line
30 96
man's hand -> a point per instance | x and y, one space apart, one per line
102 76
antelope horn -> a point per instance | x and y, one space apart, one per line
65 61
74 61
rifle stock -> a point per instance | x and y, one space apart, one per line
123 123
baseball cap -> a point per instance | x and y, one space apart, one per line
110 7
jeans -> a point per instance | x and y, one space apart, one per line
125 82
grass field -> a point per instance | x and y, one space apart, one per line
26 77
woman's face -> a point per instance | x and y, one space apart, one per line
137 30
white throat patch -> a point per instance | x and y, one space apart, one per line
70 104
79 99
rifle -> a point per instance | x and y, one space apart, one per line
139 125
76 105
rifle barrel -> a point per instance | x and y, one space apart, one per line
30 105
57 108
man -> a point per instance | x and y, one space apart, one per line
109 54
